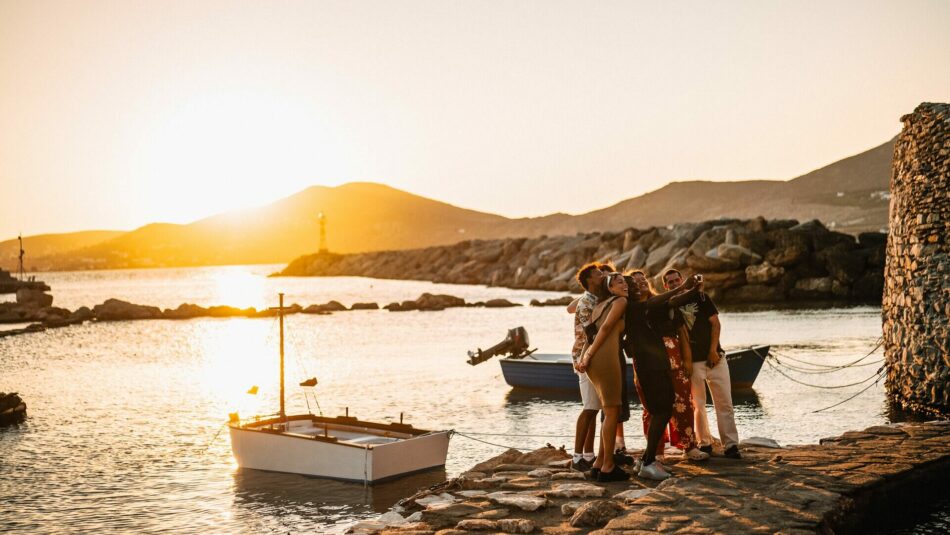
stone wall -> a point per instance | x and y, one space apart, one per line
744 261
916 303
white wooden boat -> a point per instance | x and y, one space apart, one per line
342 448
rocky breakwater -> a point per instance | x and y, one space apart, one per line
916 307
853 483
119 310
744 261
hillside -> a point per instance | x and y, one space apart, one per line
846 195
859 179
46 245
360 217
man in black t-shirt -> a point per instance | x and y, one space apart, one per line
709 367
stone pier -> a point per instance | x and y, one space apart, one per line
916 303
846 484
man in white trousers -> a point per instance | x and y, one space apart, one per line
709 368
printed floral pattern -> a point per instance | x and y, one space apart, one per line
680 430
585 308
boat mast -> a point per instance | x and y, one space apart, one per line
21 273
280 314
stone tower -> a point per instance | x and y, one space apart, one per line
916 304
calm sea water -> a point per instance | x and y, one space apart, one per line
124 417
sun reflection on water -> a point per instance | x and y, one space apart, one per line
237 287
237 355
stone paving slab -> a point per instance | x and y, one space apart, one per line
836 486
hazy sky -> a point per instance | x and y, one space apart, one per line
117 114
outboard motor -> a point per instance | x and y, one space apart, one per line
515 346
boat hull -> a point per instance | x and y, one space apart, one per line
556 372
255 447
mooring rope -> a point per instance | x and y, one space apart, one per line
825 387
819 371
454 432
863 390
517 435
818 365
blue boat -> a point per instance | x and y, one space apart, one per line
554 371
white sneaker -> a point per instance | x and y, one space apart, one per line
696 455
663 466
637 465
654 472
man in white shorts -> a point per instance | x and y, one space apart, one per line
590 277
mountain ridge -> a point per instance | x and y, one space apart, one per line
848 195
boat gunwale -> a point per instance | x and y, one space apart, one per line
528 359
344 421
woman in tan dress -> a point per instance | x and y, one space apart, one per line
603 368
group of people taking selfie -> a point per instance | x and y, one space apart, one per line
673 341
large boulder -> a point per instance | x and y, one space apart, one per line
724 280
638 257
789 247
185 311
596 513
842 263
560 302
500 303
738 253
708 240
870 287
405 306
81 314
813 288
710 261
116 309
429 301
763 273
365 306
662 254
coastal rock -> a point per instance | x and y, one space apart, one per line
554 302
637 259
753 252
405 306
364 306
500 303
429 301
576 490
516 525
661 255
596 513
737 253
477 524
540 473
790 247
569 475
116 310
525 502
81 314
763 273
326 308
632 495
711 262
815 288
185 311
29 297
